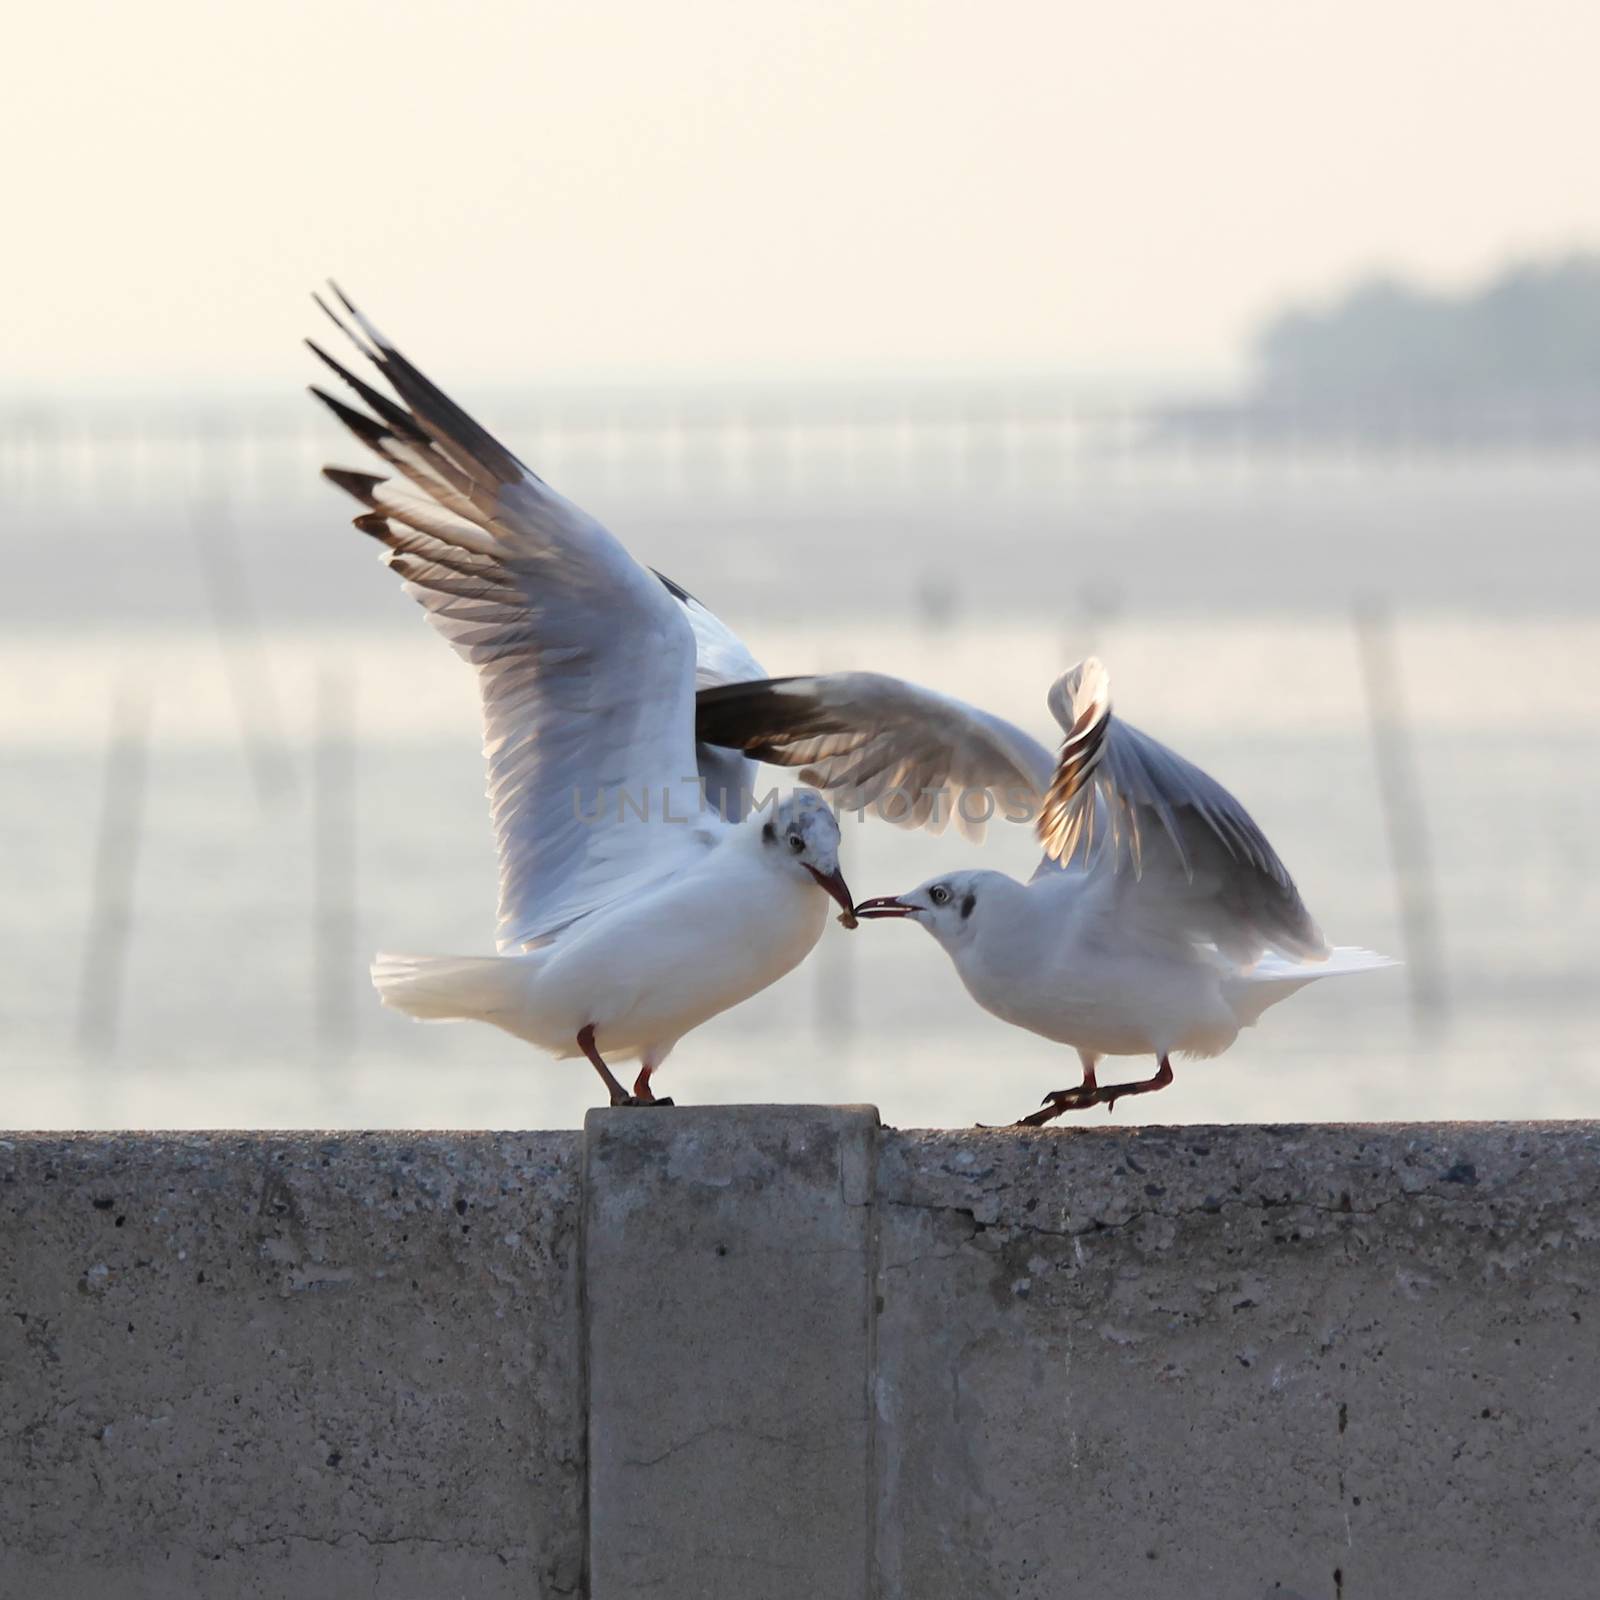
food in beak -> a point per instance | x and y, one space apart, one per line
834 883
885 906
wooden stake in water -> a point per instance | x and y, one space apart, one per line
1401 798
116 860
233 613
335 969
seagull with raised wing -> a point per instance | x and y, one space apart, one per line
1159 920
636 899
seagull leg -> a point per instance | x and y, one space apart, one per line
1089 1093
619 1095
641 1088
1113 1092
1065 1099
641 1095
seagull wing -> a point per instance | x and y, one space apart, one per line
872 740
721 656
585 661
727 779
1187 856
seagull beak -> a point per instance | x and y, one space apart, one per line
886 906
834 883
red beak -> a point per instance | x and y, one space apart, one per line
886 906
834 883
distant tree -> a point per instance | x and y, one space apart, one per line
1532 329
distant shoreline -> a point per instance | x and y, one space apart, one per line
1389 422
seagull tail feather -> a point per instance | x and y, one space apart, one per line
1273 978
451 988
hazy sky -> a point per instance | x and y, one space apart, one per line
740 187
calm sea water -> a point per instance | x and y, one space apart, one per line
221 589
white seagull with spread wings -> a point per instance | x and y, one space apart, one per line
631 910
1159 919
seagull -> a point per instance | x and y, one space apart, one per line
637 897
1159 919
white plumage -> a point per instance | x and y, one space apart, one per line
630 911
1160 920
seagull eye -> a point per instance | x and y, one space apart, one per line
796 843
938 894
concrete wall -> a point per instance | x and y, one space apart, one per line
775 1352
257 1365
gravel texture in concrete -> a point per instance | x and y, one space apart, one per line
1313 1362
729 1271
765 1353
300 1365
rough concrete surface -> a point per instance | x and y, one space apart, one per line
728 1276
765 1353
311 1366
1255 1362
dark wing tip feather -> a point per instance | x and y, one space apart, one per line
360 321
344 327
396 416
376 526
753 717
433 415
677 590
438 411
361 485
367 429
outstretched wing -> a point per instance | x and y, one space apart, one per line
727 778
585 661
720 655
917 757
1189 855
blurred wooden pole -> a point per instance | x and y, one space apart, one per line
333 845
233 614
116 860
1404 820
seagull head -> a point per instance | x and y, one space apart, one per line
804 836
945 906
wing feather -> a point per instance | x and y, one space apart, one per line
586 664
1189 855
871 740
727 778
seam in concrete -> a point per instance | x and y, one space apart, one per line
869 1378
1403 1404
730 1301
582 1331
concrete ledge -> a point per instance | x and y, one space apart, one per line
1307 1361
728 1271
263 1365
775 1351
